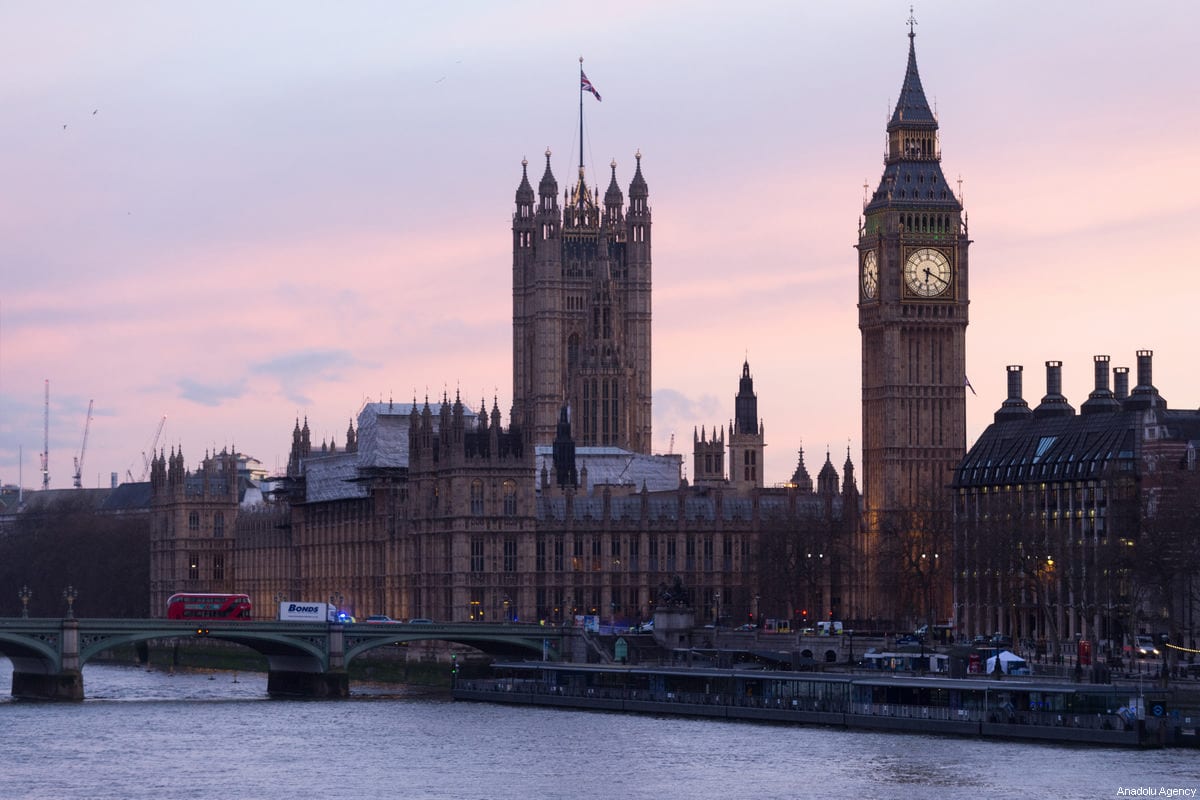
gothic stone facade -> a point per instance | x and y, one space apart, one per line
912 312
438 514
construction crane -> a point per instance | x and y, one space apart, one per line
46 441
153 447
83 448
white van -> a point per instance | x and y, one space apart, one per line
307 612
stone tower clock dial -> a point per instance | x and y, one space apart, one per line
870 275
927 273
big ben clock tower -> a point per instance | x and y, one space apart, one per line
912 311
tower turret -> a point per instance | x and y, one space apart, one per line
581 314
801 480
746 436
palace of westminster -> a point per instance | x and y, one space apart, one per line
435 509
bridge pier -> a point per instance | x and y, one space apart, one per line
333 682
290 683
66 685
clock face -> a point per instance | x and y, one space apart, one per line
927 273
870 275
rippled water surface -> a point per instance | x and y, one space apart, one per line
146 734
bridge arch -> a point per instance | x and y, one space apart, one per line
31 652
516 647
282 651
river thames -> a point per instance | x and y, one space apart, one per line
143 734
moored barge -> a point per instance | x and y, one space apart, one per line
1007 708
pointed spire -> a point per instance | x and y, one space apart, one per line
637 187
912 109
800 478
746 403
613 199
848 484
524 190
548 188
827 478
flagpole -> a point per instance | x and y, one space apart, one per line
581 112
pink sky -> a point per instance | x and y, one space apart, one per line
288 209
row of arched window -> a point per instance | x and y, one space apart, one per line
508 493
927 223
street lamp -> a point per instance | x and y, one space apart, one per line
24 594
69 594
717 605
335 600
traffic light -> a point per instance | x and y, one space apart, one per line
454 663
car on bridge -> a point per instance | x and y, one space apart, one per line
381 619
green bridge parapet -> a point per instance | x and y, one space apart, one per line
306 659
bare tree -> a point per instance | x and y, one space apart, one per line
105 557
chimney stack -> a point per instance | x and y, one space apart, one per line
1144 395
1121 383
1101 400
1014 407
1054 404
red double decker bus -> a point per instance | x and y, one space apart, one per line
196 605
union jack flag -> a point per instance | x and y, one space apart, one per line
586 85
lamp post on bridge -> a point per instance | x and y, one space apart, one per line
336 599
24 594
69 594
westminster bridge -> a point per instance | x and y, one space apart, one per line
304 658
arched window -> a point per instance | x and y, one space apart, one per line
573 351
477 498
510 498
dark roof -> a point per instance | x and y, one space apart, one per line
1050 449
129 497
1056 448
912 109
914 183
62 499
917 181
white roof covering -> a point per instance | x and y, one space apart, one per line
613 466
382 438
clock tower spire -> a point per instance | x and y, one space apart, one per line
912 314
